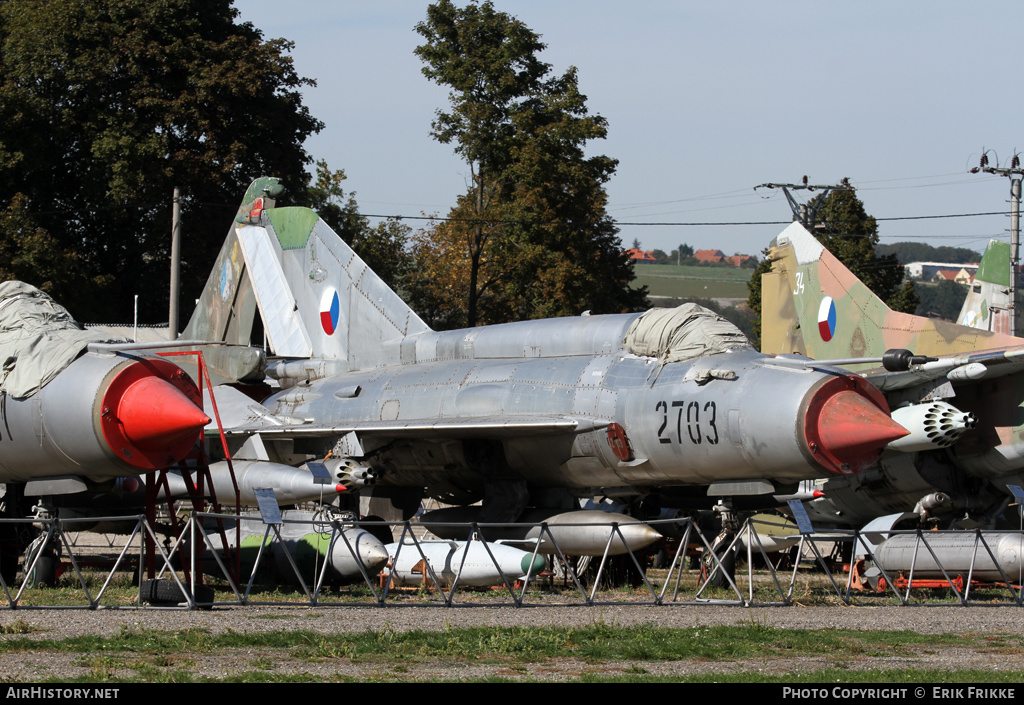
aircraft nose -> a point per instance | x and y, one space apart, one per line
848 425
156 415
148 415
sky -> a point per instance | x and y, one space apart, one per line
704 102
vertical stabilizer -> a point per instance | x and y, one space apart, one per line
346 311
989 303
226 307
813 305
316 297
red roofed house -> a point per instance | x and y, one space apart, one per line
709 256
740 260
946 275
641 256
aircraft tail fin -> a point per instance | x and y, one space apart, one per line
316 297
226 308
813 305
988 305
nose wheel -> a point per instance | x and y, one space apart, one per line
718 566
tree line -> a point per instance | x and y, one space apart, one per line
107 106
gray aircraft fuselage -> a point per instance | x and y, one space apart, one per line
518 414
680 430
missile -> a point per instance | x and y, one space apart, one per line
955 552
107 414
584 532
311 542
291 485
473 563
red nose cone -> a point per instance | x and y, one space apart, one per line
151 414
850 425
847 425
156 415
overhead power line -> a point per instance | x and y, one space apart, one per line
668 223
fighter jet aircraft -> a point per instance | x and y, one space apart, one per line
76 405
77 409
673 406
967 402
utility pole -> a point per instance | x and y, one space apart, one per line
805 213
1014 173
172 315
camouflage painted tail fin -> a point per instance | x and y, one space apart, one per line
988 305
813 305
317 298
226 307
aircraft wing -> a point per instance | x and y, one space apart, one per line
242 416
486 426
965 368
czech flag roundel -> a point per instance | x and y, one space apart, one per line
330 308
827 318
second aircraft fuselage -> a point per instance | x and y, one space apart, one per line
554 393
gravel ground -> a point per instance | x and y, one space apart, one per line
52 623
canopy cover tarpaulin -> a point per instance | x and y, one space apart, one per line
682 333
38 339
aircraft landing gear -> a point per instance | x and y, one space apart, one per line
44 572
723 570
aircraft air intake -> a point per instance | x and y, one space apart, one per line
150 416
847 425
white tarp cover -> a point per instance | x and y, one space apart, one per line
38 338
682 333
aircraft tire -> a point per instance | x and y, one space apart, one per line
166 592
719 579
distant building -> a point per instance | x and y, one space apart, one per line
709 256
641 256
960 276
925 271
740 260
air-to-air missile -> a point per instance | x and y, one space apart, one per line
76 406
674 406
587 532
471 563
962 407
291 485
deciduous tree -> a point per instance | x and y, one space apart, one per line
533 230
107 106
